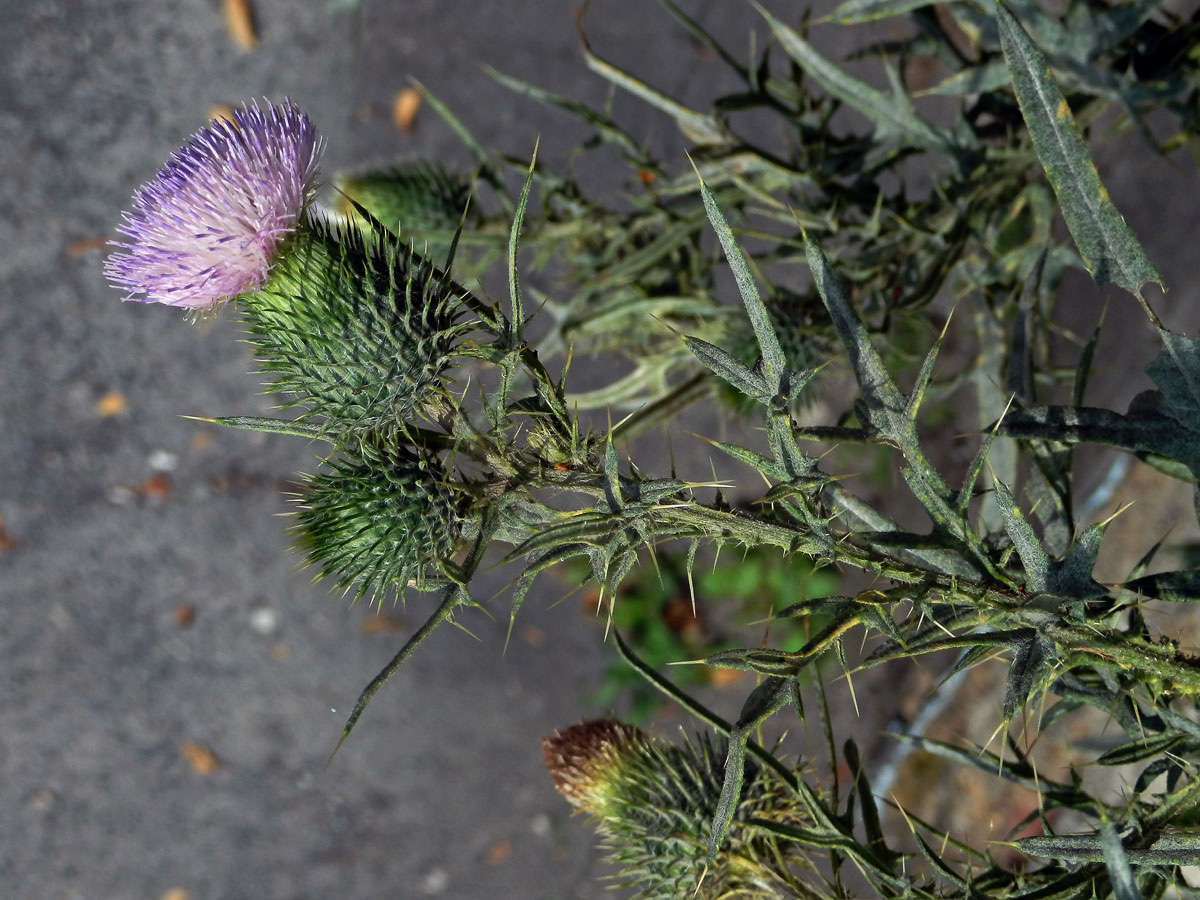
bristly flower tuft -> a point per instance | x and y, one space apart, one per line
209 225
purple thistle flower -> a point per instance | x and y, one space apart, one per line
208 226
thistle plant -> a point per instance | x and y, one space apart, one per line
370 341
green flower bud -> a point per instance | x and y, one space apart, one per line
378 520
412 197
653 804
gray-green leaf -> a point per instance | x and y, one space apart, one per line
1108 246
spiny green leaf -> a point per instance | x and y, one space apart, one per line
729 368
892 115
1108 246
1179 586
853 12
774 363
1140 749
453 597
267 424
695 126
1026 668
1072 576
517 325
1176 371
1179 849
879 390
605 127
763 661
1143 431
764 701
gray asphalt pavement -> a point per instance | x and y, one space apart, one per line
172 681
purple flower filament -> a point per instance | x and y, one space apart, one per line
208 226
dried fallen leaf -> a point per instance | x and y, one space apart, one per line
404 108
111 404
383 623
7 541
185 615
239 19
202 758
84 246
156 487
533 636
499 852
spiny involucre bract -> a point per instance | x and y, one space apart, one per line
356 327
379 519
209 226
653 805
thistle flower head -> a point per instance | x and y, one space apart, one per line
584 761
208 226
653 805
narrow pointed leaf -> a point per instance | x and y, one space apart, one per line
853 12
1107 244
876 383
1117 862
729 368
774 364
441 614
1029 546
890 115
693 125
517 326
1026 666
763 702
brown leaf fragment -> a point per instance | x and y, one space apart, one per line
111 404
7 541
156 487
202 758
239 19
383 623
404 108
185 615
499 852
85 245
533 636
